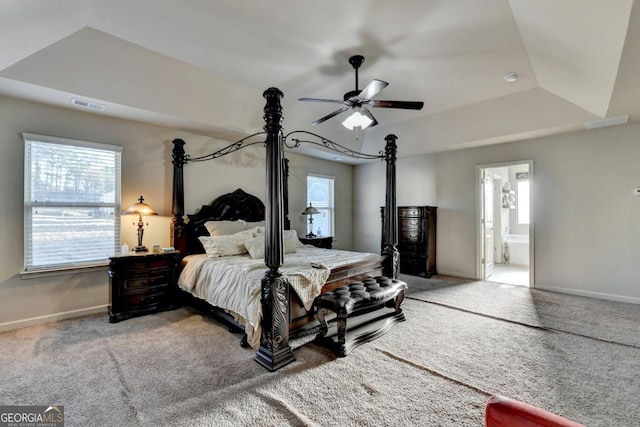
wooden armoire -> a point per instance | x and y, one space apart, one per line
417 240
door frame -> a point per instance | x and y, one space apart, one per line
479 215
487 177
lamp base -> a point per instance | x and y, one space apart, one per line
141 249
311 235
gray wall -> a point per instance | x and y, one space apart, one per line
147 170
587 219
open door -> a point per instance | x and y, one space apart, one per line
505 223
488 224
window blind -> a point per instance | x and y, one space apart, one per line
320 195
71 202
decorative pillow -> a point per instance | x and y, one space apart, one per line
224 228
206 244
255 246
292 237
249 225
290 245
218 246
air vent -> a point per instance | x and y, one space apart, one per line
88 104
611 121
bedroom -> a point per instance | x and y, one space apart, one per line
561 262
587 225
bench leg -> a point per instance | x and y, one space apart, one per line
322 313
342 327
399 300
396 302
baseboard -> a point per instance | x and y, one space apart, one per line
589 294
17 324
455 274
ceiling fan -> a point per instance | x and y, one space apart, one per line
358 101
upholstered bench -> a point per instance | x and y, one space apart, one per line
356 299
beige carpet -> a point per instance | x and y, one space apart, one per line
436 369
604 320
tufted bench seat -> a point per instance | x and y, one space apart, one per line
365 296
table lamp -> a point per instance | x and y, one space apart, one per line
310 211
140 208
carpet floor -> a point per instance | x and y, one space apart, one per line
461 343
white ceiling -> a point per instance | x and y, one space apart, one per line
202 65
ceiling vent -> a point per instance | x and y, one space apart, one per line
611 121
88 104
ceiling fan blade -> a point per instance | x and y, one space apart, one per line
366 112
407 105
372 89
332 101
328 116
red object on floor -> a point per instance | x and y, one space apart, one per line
504 412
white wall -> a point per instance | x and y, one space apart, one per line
587 220
245 169
416 185
514 227
146 170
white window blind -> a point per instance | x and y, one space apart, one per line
320 195
71 202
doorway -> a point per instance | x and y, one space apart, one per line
505 218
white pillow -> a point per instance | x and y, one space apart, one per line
255 246
289 235
292 237
224 228
249 225
218 246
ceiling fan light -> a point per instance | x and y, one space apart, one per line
357 120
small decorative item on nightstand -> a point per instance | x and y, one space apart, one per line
325 242
142 283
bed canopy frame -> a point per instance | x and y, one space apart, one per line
274 351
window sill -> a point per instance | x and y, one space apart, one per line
36 274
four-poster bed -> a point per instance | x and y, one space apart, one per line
282 311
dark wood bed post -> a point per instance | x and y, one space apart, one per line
178 239
274 351
390 223
285 189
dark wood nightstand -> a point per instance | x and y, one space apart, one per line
325 242
142 283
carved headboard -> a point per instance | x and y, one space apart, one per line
234 206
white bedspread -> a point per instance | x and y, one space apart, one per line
233 283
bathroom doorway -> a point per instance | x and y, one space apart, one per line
505 219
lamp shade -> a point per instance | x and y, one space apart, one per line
357 119
139 208
310 210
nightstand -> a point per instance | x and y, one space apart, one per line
320 242
142 283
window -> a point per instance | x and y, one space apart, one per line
523 201
71 202
320 196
